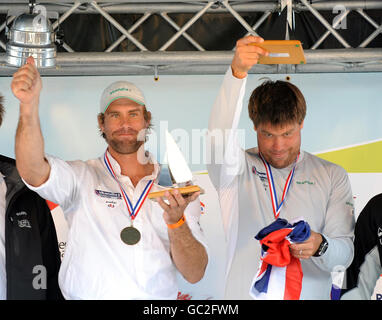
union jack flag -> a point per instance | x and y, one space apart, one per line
280 274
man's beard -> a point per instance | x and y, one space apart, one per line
290 159
124 146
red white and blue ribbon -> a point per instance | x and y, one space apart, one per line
272 188
133 211
280 274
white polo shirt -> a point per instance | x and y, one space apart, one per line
97 264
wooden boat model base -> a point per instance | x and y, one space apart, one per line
183 191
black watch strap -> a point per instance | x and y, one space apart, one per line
322 248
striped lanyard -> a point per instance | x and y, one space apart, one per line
133 211
272 188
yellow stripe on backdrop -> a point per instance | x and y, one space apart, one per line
364 158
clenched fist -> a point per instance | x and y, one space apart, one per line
26 84
307 249
246 55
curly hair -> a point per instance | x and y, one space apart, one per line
276 102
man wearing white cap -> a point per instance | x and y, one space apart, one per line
119 246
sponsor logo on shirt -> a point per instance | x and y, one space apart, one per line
202 207
24 223
380 235
108 194
307 182
262 176
110 199
349 204
111 203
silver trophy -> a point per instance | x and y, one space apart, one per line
31 34
176 175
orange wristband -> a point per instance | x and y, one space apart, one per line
181 221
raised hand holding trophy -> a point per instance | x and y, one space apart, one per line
177 175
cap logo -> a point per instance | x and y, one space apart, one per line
119 89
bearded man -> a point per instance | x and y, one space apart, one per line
276 180
119 245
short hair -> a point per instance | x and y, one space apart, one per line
276 102
2 110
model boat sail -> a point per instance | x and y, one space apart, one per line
177 175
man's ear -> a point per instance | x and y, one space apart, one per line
101 121
148 119
302 124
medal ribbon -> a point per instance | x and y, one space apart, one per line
272 188
133 211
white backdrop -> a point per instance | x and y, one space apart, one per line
343 110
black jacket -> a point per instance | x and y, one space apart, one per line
30 241
368 235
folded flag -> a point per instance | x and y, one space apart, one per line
280 274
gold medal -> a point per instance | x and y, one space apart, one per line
130 235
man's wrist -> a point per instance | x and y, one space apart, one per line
322 247
177 224
239 74
29 109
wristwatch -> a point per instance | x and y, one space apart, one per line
322 248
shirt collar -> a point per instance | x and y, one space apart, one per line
117 167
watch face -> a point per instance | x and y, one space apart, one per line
322 248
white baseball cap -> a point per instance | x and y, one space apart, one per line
118 90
